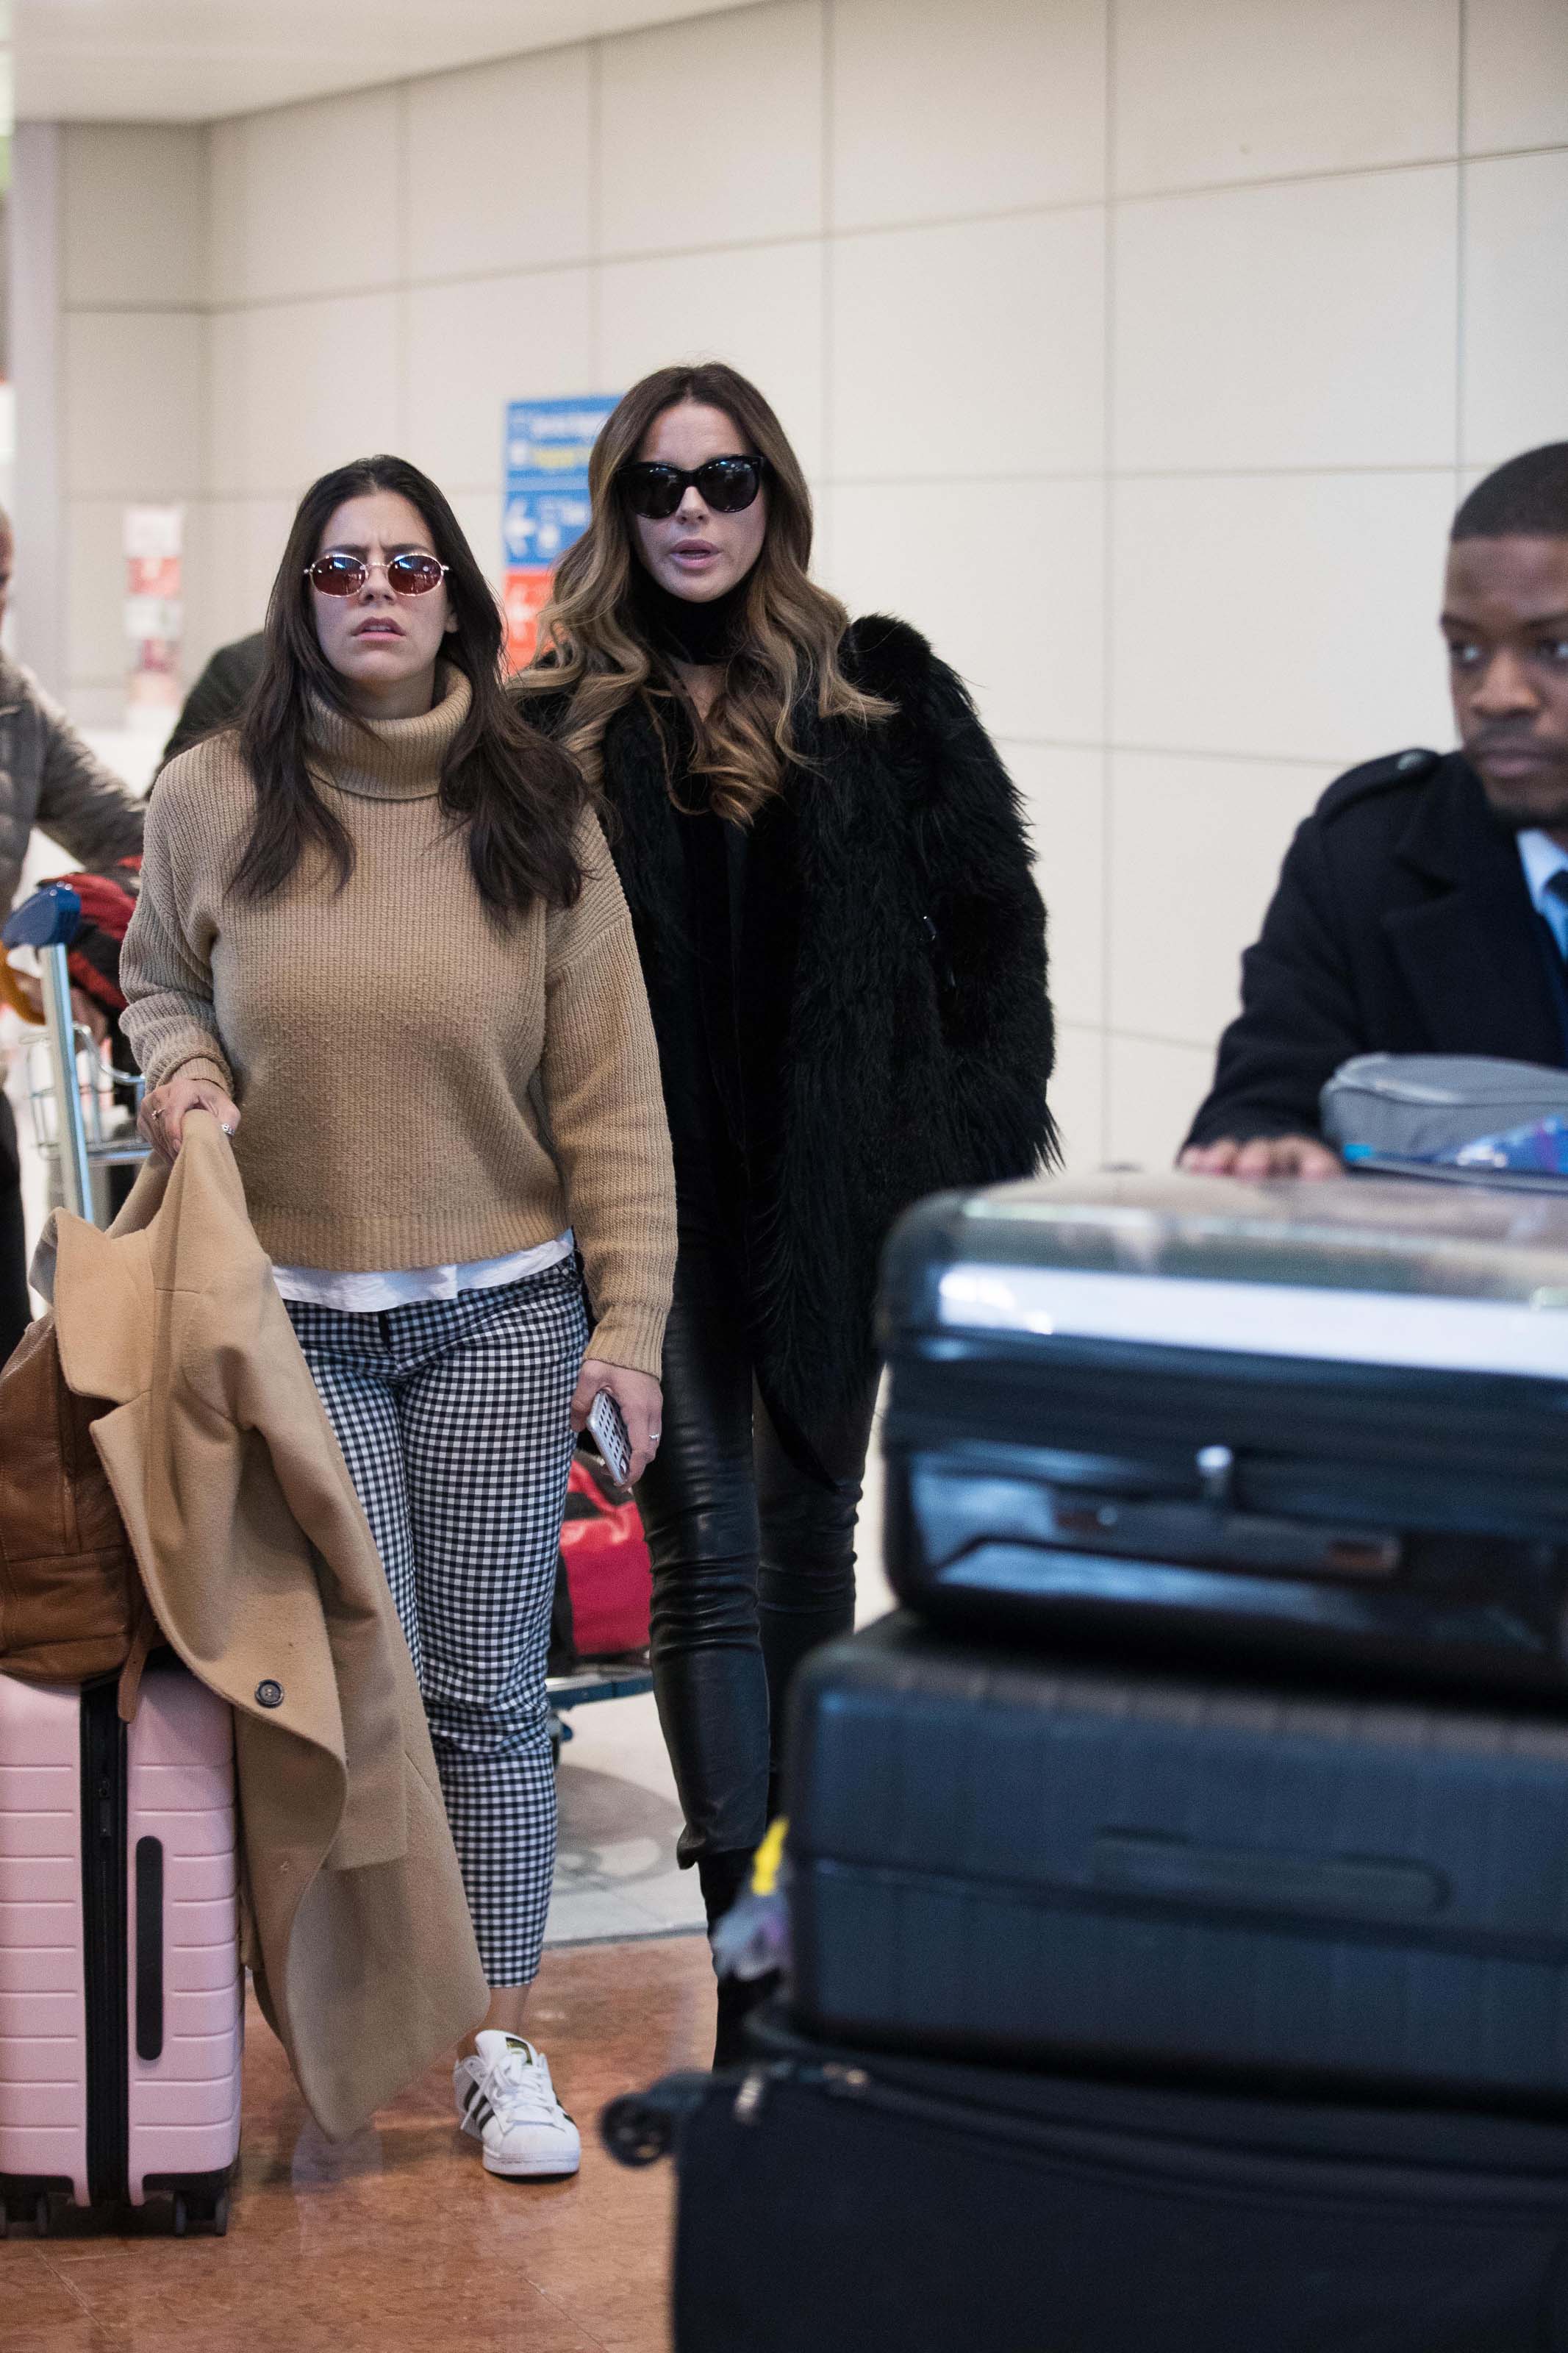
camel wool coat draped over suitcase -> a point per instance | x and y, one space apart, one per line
261 1569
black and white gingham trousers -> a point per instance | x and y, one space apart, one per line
454 1419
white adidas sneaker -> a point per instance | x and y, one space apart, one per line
506 2099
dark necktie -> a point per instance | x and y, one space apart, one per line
1557 885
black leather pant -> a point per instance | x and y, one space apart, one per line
15 1307
753 1555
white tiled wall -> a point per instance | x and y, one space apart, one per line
1515 265
1137 349
1210 92
131 365
1296 322
466 135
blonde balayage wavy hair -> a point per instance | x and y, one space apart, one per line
590 646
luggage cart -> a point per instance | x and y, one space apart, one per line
624 1678
83 1110
79 1104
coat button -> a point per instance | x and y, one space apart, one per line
269 1694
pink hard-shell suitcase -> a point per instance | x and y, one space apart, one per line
120 1990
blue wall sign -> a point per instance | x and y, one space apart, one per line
547 449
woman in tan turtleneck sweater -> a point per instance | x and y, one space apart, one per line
380 938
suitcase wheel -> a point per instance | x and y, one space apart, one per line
640 2127
190 2213
15 2211
635 2132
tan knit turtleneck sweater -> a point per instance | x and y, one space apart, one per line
418 1085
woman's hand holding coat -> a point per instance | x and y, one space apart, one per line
162 1118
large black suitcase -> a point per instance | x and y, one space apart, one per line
1324 1423
997 1854
833 2201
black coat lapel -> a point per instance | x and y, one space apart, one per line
1470 955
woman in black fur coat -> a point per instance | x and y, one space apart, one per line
845 957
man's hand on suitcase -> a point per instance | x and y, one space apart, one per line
1262 1156
162 1118
640 1400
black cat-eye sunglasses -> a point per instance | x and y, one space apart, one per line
726 484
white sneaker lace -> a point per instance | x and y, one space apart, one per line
519 2089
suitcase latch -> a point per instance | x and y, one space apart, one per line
749 2098
1217 1473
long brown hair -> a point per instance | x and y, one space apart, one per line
590 644
518 795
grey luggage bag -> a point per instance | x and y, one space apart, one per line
1398 1112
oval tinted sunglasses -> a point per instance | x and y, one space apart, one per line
725 484
338 574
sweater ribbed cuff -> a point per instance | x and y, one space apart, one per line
633 1337
202 1066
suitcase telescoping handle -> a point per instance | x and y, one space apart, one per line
49 922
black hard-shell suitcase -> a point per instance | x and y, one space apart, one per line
836 2201
1325 1422
997 1854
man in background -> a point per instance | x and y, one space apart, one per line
48 780
1423 906
215 699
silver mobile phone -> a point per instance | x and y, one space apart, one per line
611 1436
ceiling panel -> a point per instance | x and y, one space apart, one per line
194 61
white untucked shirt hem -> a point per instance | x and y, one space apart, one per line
416 1286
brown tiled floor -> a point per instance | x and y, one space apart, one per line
400 2238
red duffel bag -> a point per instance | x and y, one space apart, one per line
605 1586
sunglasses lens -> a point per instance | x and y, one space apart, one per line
338 576
730 484
413 575
653 492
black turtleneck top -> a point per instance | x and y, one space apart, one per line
721 991
684 628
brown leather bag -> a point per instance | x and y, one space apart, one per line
72 1605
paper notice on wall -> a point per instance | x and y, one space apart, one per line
544 507
154 614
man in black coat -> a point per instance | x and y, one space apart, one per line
1423 906
218 695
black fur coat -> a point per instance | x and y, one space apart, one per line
917 1043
